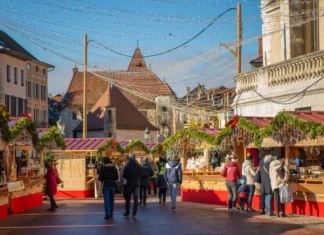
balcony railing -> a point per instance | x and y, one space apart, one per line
293 70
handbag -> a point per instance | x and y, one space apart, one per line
257 177
286 194
119 187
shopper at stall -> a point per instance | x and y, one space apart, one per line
132 173
279 175
153 178
51 185
249 173
266 191
108 175
162 186
173 176
122 179
243 192
146 174
232 173
230 152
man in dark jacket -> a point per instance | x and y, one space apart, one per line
146 174
132 174
108 176
173 176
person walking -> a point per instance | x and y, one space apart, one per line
249 173
108 175
266 191
232 173
132 174
146 173
122 179
243 192
279 175
162 185
51 185
173 177
153 178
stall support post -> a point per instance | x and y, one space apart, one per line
206 154
287 155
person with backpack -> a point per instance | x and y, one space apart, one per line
266 191
162 185
232 173
132 175
249 174
146 174
173 176
108 175
279 175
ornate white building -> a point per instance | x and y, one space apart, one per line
292 77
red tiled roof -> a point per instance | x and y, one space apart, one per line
144 79
212 132
313 116
258 60
57 98
127 116
14 120
259 121
94 144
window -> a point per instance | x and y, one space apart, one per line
16 76
109 135
44 71
28 66
164 109
34 90
303 109
13 106
8 74
37 91
7 102
44 116
20 106
22 77
43 93
29 89
36 69
74 115
109 116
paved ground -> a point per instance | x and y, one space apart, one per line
86 217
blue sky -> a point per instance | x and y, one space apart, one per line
59 25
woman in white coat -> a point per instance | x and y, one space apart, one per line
279 175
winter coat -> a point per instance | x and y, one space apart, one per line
265 177
108 175
173 172
249 172
278 172
146 174
232 172
244 191
51 184
121 179
155 170
160 181
132 173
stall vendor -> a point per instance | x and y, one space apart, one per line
300 159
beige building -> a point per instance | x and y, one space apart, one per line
293 58
23 81
37 87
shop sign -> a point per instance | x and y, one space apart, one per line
15 186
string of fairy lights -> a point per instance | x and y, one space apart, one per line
70 47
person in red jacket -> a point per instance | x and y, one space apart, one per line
51 185
232 173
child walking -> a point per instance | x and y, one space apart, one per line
161 184
243 192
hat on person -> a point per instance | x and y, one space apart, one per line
243 181
131 156
249 157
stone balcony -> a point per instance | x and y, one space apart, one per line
290 71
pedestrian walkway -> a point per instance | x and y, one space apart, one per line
86 217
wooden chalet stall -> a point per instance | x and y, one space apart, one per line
283 135
77 164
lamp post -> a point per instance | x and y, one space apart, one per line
147 134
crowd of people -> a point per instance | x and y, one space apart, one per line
136 179
272 174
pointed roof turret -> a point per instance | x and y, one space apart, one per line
137 63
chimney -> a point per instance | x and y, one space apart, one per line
260 46
75 69
110 122
188 94
150 66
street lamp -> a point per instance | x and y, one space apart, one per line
147 134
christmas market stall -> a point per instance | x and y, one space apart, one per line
290 135
22 166
78 163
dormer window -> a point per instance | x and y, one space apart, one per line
139 64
